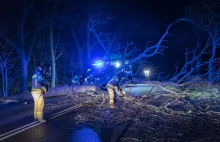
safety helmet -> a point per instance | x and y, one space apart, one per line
40 69
89 70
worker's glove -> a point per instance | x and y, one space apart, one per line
44 90
123 92
47 87
36 95
119 90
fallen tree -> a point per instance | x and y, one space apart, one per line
56 91
187 112
148 52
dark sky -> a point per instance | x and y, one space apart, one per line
147 20
142 21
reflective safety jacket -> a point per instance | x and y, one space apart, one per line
114 82
90 79
38 81
75 80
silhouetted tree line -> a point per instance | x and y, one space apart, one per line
62 36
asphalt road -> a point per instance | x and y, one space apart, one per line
60 129
15 115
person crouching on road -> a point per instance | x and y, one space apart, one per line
113 86
39 87
124 83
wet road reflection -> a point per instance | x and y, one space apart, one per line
83 135
61 129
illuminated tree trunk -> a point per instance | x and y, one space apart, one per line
210 66
88 47
23 79
80 59
23 43
6 83
23 58
53 60
3 80
79 49
199 51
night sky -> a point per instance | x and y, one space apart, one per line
147 20
142 21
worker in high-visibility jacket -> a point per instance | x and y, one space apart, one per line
39 87
113 86
90 77
75 80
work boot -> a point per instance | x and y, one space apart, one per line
112 106
42 120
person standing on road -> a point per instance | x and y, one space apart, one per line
39 87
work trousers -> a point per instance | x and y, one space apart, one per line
38 103
111 92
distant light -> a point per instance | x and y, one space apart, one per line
117 64
99 64
147 73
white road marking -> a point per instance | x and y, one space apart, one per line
69 110
36 123
17 129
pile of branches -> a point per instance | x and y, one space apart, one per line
170 114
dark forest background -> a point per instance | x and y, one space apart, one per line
66 36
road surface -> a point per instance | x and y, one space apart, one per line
59 129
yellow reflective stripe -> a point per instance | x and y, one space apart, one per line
110 85
36 91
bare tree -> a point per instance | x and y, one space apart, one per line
205 16
78 46
149 51
189 66
23 40
40 55
7 63
87 34
54 34
95 20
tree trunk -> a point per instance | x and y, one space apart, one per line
6 82
89 57
53 60
79 51
23 79
88 47
80 60
199 51
210 66
3 80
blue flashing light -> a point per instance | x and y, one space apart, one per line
117 64
99 63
